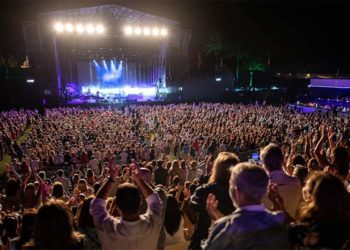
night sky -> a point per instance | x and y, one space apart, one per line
300 36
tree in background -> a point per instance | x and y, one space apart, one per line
254 64
215 45
238 53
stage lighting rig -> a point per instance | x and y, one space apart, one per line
79 28
145 31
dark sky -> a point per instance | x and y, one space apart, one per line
309 36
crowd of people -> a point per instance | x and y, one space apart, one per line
184 176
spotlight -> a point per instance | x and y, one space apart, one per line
90 29
164 32
59 27
146 31
155 32
79 28
100 29
69 27
128 30
138 31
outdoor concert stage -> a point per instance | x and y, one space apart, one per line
107 53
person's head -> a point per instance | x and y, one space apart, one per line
42 175
194 165
325 199
57 190
76 178
10 227
29 190
272 157
312 165
301 173
82 185
11 187
89 173
248 184
54 227
160 163
221 169
341 161
298 160
176 180
60 173
128 199
84 219
27 228
172 215
146 175
96 187
175 165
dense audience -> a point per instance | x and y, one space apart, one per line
185 176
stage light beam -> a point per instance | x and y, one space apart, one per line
138 31
163 32
146 31
90 29
155 32
59 27
80 28
69 27
100 29
128 30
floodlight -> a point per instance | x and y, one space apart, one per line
128 30
146 31
69 27
59 27
163 32
138 31
100 29
79 28
90 29
155 32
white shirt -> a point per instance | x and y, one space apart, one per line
116 233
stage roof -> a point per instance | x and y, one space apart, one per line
112 11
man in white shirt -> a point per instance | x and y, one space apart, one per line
133 230
289 187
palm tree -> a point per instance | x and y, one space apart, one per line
237 52
254 64
214 45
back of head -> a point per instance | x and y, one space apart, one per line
221 169
84 219
341 161
128 198
272 157
27 229
57 190
250 180
11 187
60 173
54 227
330 201
172 215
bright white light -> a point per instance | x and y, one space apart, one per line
163 32
138 31
79 28
100 29
90 29
69 27
30 80
124 91
128 30
155 32
218 79
59 27
146 31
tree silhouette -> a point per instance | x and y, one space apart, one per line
214 45
253 65
238 53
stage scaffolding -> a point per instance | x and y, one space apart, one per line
54 56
